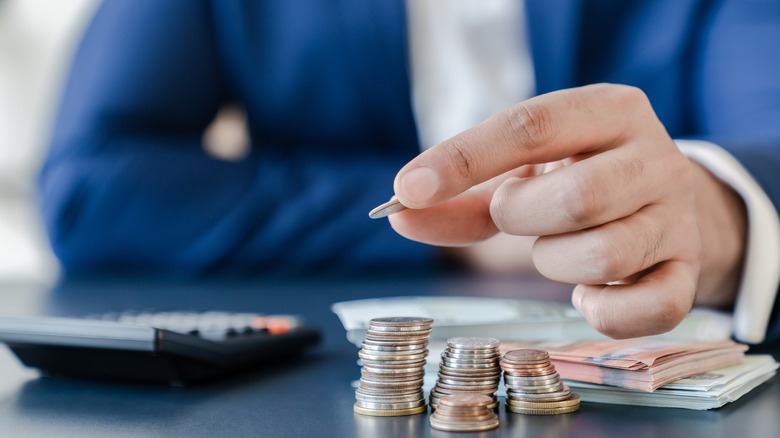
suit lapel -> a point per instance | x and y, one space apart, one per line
376 39
553 27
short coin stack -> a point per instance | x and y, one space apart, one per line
533 386
393 357
464 413
468 366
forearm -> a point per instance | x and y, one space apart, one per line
166 206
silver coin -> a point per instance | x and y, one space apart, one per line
471 366
400 398
455 360
401 320
466 388
473 343
531 380
445 391
462 372
391 370
393 406
395 359
391 364
466 383
474 351
394 364
395 386
393 347
390 207
385 351
555 387
389 391
400 336
380 344
443 376
370 375
399 329
546 396
389 352
461 354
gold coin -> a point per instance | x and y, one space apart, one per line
464 427
389 412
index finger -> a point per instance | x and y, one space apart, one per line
545 128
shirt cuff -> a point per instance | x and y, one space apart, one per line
760 273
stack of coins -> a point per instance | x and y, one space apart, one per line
393 358
464 413
533 386
468 366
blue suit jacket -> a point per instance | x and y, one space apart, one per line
326 90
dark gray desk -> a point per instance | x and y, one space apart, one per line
311 397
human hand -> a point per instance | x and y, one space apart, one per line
593 172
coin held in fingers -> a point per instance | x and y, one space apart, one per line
390 207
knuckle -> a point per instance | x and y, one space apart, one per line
630 170
653 245
679 167
607 259
531 123
628 95
580 201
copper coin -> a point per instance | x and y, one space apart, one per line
465 400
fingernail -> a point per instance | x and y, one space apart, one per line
419 185
576 298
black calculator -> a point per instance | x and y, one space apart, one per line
162 347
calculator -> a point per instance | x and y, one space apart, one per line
159 347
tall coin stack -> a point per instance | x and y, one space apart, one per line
533 386
464 413
393 358
468 366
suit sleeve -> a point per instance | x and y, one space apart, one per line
738 89
127 184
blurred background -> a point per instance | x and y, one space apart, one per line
37 39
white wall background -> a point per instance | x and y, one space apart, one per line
37 39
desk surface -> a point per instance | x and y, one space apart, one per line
311 397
